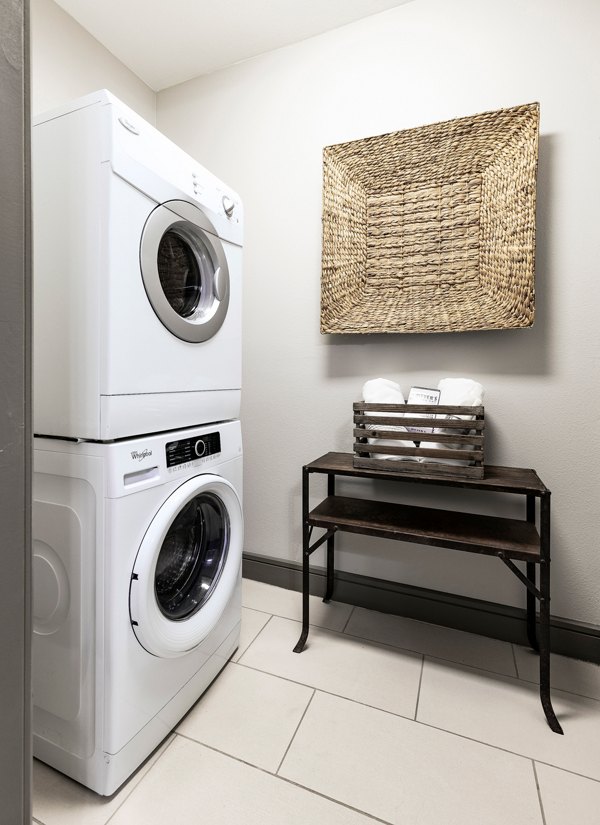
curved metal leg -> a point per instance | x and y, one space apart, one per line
304 634
545 650
299 647
305 562
545 615
550 715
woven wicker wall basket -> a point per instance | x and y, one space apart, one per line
432 229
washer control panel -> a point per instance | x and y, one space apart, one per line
191 449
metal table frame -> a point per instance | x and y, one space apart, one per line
333 517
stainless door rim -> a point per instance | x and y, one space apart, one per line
191 224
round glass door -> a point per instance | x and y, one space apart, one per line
179 272
192 557
184 270
187 566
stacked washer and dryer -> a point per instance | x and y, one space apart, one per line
138 454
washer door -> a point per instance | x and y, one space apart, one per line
187 567
185 271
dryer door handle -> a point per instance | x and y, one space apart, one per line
219 284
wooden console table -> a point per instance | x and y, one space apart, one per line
509 539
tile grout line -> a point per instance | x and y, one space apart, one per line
327 692
280 778
239 759
414 651
348 619
254 638
419 688
256 610
566 770
504 750
539 792
173 734
332 799
514 655
281 761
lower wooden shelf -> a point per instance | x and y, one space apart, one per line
473 533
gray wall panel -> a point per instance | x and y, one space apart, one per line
15 410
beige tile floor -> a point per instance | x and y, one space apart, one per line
380 719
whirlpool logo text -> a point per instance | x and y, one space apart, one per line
136 455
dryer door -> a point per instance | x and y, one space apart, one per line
185 271
187 566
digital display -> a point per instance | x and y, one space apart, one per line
191 449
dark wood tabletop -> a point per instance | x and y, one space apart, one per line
498 479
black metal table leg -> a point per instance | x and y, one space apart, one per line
544 641
531 611
330 546
305 563
531 607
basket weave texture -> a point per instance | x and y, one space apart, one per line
432 229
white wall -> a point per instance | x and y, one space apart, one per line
67 62
262 124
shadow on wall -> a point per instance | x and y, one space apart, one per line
494 352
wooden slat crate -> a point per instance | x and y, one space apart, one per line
375 420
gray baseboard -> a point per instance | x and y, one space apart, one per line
569 638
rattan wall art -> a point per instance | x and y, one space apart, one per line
432 229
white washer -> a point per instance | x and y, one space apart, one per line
137 278
137 592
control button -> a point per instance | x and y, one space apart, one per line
228 205
200 448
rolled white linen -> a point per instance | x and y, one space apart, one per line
462 392
384 391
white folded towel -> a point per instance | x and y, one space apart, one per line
384 391
462 392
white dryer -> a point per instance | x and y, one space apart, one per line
137 278
137 592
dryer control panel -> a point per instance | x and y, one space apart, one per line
190 449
